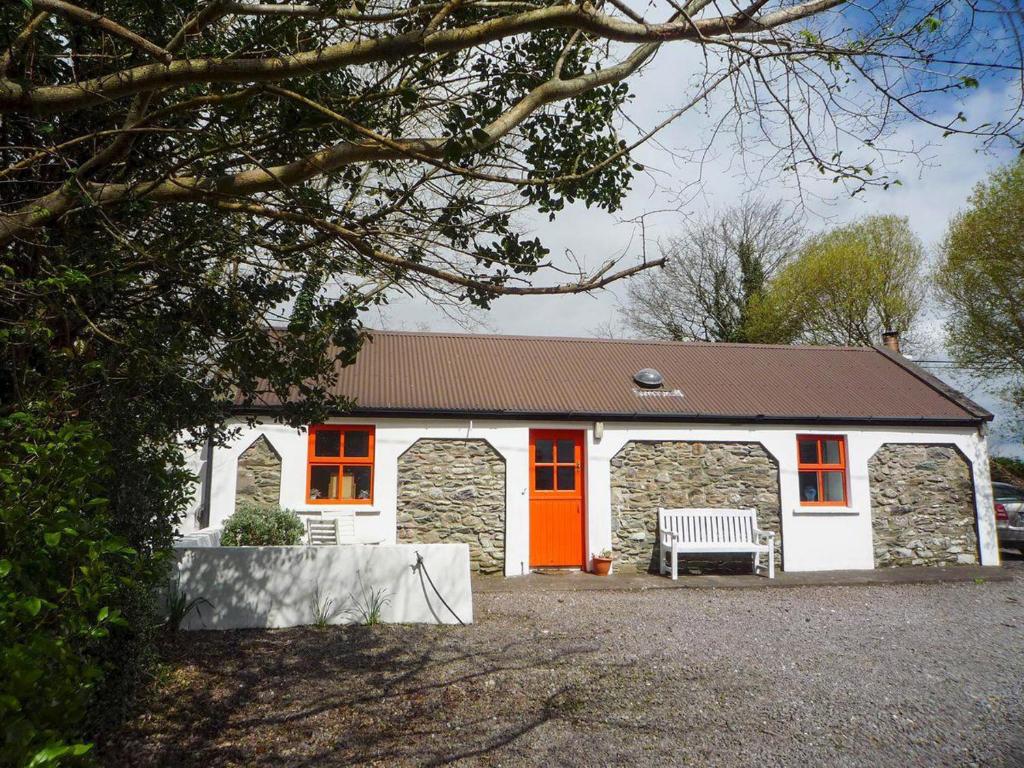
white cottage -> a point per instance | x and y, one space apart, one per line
541 452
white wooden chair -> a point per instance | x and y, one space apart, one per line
330 531
712 531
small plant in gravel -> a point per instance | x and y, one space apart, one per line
255 526
179 606
369 604
323 608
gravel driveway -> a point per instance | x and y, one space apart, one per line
840 676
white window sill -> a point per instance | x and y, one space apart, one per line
825 512
338 509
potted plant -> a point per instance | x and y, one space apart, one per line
603 562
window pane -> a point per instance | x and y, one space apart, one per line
567 478
357 443
808 452
545 452
355 483
328 442
323 482
830 452
808 486
544 478
566 451
832 486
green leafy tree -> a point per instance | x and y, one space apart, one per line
849 285
980 278
715 272
197 199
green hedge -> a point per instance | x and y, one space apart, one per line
72 592
255 526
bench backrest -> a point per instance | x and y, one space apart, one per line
710 526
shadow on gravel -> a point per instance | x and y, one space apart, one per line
845 677
347 695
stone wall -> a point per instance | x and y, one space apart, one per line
454 491
648 475
922 506
259 475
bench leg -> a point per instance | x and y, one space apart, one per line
675 564
757 562
771 563
662 568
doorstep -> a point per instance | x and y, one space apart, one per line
572 581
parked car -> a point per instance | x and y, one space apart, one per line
1009 515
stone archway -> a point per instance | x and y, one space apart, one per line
453 490
687 473
258 480
922 506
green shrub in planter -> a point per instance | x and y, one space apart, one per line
255 526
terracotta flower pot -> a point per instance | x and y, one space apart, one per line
602 565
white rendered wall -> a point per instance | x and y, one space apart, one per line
260 587
813 538
822 538
195 462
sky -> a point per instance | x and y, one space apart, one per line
936 180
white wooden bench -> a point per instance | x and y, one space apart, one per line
712 531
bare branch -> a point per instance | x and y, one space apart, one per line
586 283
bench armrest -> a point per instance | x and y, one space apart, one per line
667 537
770 535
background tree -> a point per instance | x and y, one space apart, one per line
980 278
713 274
849 285
197 199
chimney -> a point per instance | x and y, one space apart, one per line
891 340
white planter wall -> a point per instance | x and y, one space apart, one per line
836 538
273 587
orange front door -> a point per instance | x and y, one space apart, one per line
556 498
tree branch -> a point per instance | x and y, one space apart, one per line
15 97
19 42
98 20
192 188
586 283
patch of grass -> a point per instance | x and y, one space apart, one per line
323 608
179 606
369 604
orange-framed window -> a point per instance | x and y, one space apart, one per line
822 470
340 466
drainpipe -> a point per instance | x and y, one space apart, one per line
891 340
204 507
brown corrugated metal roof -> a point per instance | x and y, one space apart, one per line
442 373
